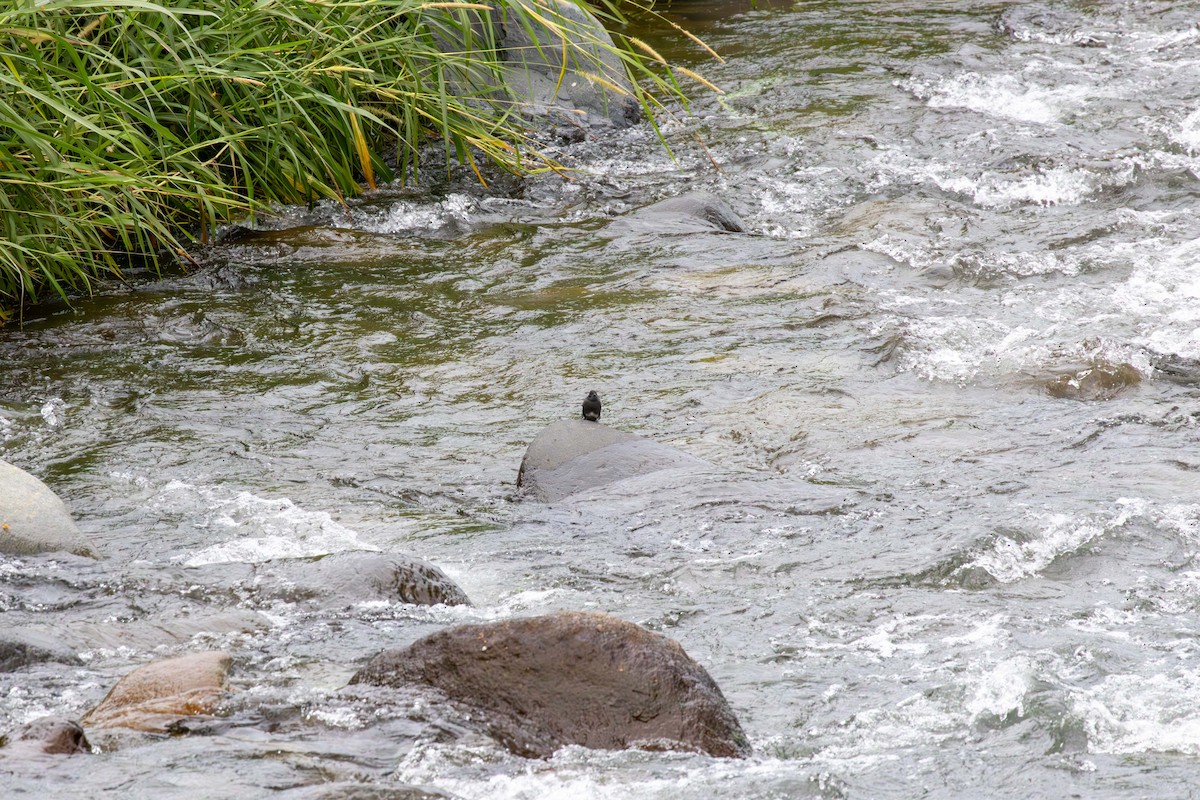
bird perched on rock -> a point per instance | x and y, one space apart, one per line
591 407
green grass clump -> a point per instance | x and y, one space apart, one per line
128 126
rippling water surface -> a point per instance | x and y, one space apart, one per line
951 543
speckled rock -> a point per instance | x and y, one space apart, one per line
358 576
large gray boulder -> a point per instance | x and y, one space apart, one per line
572 456
558 63
589 679
33 519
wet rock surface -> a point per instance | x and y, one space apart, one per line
33 519
1101 381
48 736
589 679
21 648
351 577
691 212
572 456
154 697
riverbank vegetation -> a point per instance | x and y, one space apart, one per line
129 128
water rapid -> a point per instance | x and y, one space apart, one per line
948 381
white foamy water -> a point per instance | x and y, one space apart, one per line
1051 187
1009 560
1040 185
54 411
1001 96
961 348
1131 714
408 217
1188 132
1162 296
1000 690
1153 310
252 528
575 773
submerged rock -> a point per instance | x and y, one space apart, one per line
21 648
156 696
572 456
49 735
1101 381
694 211
357 576
570 678
143 634
364 791
33 519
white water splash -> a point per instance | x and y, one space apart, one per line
960 348
254 529
406 216
1153 311
1188 133
1131 714
53 411
1163 295
1048 187
1003 96
1001 689
1009 560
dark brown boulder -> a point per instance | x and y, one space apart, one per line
570 678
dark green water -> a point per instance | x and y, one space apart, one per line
949 381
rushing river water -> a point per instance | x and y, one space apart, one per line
951 546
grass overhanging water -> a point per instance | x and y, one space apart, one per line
129 128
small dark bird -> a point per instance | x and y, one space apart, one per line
591 407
